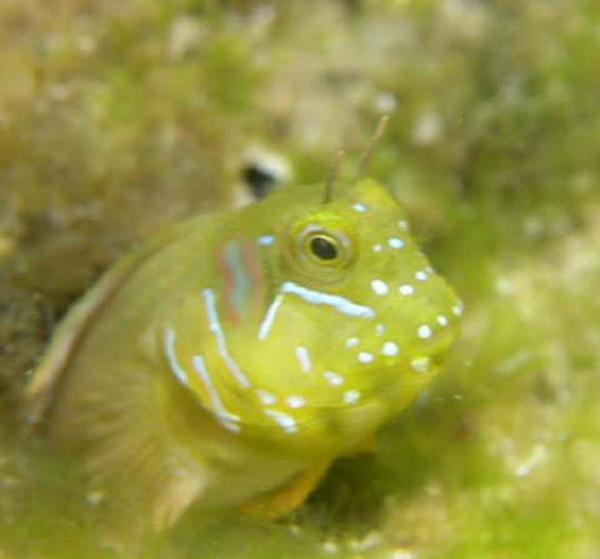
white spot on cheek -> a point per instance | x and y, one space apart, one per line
295 402
395 243
351 396
457 309
403 225
406 290
377 248
379 287
333 378
266 240
379 329
424 332
359 208
390 349
286 422
420 364
421 275
351 342
303 358
265 397
365 357
442 320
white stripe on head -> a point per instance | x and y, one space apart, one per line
336 302
169 349
267 322
215 327
285 421
303 358
228 420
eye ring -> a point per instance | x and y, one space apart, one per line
323 247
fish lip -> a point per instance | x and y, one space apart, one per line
438 359
441 346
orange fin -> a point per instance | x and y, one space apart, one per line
289 497
366 447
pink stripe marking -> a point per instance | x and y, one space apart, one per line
250 260
228 281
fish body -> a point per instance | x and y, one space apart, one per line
234 353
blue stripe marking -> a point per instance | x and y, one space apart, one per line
241 283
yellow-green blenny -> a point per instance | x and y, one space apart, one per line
233 357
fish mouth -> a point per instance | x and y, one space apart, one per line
437 360
441 346
436 357
430 360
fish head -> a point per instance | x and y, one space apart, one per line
322 319
356 321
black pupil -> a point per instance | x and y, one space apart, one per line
323 248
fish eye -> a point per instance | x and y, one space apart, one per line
324 247
321 247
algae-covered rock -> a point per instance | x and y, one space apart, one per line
119 117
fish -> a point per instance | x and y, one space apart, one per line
231 358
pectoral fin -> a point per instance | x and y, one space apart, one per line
66 338
366 447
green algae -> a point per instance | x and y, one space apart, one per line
116 118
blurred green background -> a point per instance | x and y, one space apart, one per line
118 116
